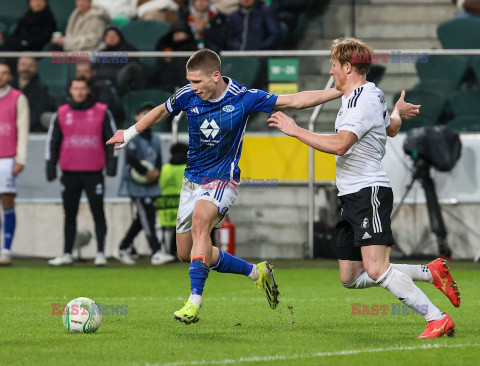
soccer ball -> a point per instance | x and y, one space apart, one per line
139 178
82 315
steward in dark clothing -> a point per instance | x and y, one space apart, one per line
37 95
255 28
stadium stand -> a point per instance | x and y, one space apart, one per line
465 103
242 69
62 10
465 124
475 63
443 86
433 105
451 68
11 11
53 75
145 34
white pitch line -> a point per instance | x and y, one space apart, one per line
313 355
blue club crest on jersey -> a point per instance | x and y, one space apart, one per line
228 108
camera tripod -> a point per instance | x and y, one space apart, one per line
437 225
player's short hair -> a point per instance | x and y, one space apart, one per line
78 78
205 61
5 63
352 50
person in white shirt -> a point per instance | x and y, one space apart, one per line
363 235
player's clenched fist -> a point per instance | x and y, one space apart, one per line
283 122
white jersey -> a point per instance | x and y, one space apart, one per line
364 113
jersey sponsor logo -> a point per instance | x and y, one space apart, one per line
228 108
195 110
210 128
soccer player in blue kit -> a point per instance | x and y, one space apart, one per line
217 110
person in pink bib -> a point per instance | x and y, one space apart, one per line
76 141
14 126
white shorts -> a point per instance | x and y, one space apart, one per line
8 183
221 193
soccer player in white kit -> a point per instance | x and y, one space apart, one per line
363 235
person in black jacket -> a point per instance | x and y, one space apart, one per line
126 74
28 81
255 26
34 29
76 140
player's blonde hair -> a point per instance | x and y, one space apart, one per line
352 50
205 61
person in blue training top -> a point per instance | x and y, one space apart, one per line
217 109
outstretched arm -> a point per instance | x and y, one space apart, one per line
306 99
337 144
402 110
153 117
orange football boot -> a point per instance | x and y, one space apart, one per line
438 328
442 279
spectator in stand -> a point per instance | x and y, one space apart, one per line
34 29
76 140
29 83
206 25
255 26
84 29
226 7
122 76
119 10
98 89
169 73
161 10
468 8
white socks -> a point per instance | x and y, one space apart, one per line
363 280
255 274
402 287
196 299
417 272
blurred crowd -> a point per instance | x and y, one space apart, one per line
135 25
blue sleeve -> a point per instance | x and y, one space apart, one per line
261 101
178 101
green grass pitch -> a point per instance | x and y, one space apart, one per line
313 324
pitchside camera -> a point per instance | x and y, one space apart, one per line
438 146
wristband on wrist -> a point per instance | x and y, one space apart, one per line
129 134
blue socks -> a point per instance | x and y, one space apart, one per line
228 263
9 227
198 273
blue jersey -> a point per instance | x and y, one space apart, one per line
216 128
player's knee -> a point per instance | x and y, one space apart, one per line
200 226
